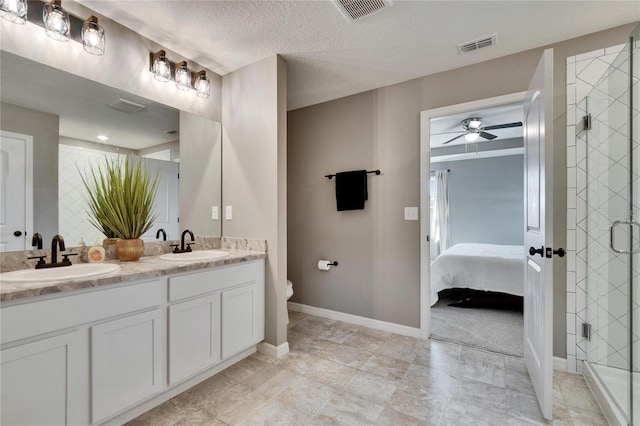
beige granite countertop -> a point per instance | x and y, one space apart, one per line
147 267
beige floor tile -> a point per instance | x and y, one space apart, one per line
482 366
275 412
586 418
388 368
426 406
391 417
462 413
349 409
371 387
402 349
330 373
306 395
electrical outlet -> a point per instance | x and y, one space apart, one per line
410 213
228 213
214 213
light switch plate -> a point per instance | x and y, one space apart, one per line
228 213
214 212
410 213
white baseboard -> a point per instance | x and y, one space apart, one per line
355 319
273 351
559 363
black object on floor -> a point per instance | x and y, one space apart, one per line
468 298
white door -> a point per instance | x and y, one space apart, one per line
15 191
538 232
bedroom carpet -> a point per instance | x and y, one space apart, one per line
481 326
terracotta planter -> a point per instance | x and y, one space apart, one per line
109 241
129 250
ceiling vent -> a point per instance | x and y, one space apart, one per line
127 106
354 10
480 43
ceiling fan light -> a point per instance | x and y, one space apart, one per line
475 123
472 136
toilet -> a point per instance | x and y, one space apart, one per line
289 294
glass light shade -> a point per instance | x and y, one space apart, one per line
14 10
203 88
475 123
472 136
183 76
93 39
56 21
161 68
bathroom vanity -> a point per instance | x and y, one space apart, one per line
105 350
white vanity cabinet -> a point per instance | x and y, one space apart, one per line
40 381
213 315
105 355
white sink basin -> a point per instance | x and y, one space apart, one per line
73 272
195 256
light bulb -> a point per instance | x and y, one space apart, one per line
182 77
93 39
56 21
14 10
161 67
202 85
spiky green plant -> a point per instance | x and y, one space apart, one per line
120 195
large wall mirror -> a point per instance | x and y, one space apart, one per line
56 126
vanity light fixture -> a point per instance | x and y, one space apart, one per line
93 36
182 76
201 84
56 21
14 10
161 66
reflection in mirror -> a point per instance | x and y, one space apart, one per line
71 124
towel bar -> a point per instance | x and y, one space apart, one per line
377 172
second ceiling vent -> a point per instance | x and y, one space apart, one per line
480 43
354 10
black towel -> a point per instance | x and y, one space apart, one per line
351 190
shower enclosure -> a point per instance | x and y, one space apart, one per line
611 130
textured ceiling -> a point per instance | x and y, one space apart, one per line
329 57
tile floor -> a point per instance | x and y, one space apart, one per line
341 374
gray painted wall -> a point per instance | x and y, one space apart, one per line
380 274
254 112
44 129
486 200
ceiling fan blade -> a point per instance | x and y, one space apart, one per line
448 133
487 136
451 140
503 126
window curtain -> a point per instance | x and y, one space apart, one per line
440 233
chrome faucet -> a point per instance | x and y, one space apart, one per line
182 249
57 243
36 241
164 234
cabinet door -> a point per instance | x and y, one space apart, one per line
40 382
239 319
194 336
126 363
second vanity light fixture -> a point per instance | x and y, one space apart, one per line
164 70
57 22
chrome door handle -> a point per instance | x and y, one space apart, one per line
631 224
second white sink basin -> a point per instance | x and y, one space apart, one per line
195 256
73 272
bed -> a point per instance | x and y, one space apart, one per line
488 267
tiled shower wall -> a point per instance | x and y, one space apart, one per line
583 72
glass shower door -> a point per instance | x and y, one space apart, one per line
613 229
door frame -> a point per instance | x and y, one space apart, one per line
28 180
425 169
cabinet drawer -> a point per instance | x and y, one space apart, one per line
199 283
25 320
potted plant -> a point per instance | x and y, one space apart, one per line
121 194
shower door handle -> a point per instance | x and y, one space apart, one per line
631 224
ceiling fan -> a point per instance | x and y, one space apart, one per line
473 129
